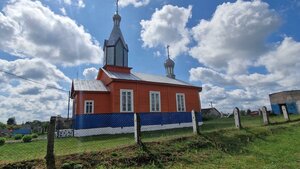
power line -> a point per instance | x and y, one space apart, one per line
33 81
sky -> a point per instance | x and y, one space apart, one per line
238 51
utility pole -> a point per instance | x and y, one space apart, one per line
69 105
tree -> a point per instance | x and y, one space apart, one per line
249 111
11 121
2 126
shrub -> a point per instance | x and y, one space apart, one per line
66 166
27 138
2 141
78 166
34 135
18 136
114 154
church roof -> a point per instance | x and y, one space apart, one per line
116 33
145 77
89 85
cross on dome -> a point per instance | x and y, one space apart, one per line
117 6
168 50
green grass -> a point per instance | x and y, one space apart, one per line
279 150
14 152
275 146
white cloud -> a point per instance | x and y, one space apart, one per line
35 98
210 76
90 73
226 99
135 3
236 34
234 41
29 29
167 26
63 11
284 61
77 3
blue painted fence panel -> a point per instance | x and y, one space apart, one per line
87 121
22 131
127 119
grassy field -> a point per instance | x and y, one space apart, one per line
36 150
277 151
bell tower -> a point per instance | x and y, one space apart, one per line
115 48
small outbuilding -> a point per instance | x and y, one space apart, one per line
288 101
211 113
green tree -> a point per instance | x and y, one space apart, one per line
2 126
11 121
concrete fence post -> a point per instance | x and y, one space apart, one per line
195 123
237 118
265 115
50 159
285 113
259 112
137 129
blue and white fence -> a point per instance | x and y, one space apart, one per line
117 123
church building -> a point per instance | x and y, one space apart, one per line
106 105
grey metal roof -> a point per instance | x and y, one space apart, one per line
115 35
89 85
146 77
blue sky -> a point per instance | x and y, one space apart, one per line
238 51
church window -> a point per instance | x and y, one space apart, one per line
180 102
88 107
126 100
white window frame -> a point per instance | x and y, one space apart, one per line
89 101
184 106
159 99
132 100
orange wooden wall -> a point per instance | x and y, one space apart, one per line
110 102
102 103
167 95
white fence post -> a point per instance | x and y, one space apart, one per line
265 115
285 113
137 128
237 118
195 122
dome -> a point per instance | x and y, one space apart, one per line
169 63
117 17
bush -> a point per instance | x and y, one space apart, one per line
27 138
78 166
66 166
18 136
2 141
35 135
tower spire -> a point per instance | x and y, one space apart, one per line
115 48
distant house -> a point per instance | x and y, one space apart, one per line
254 113
211 113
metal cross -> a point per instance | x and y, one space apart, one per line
117 6
168 46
